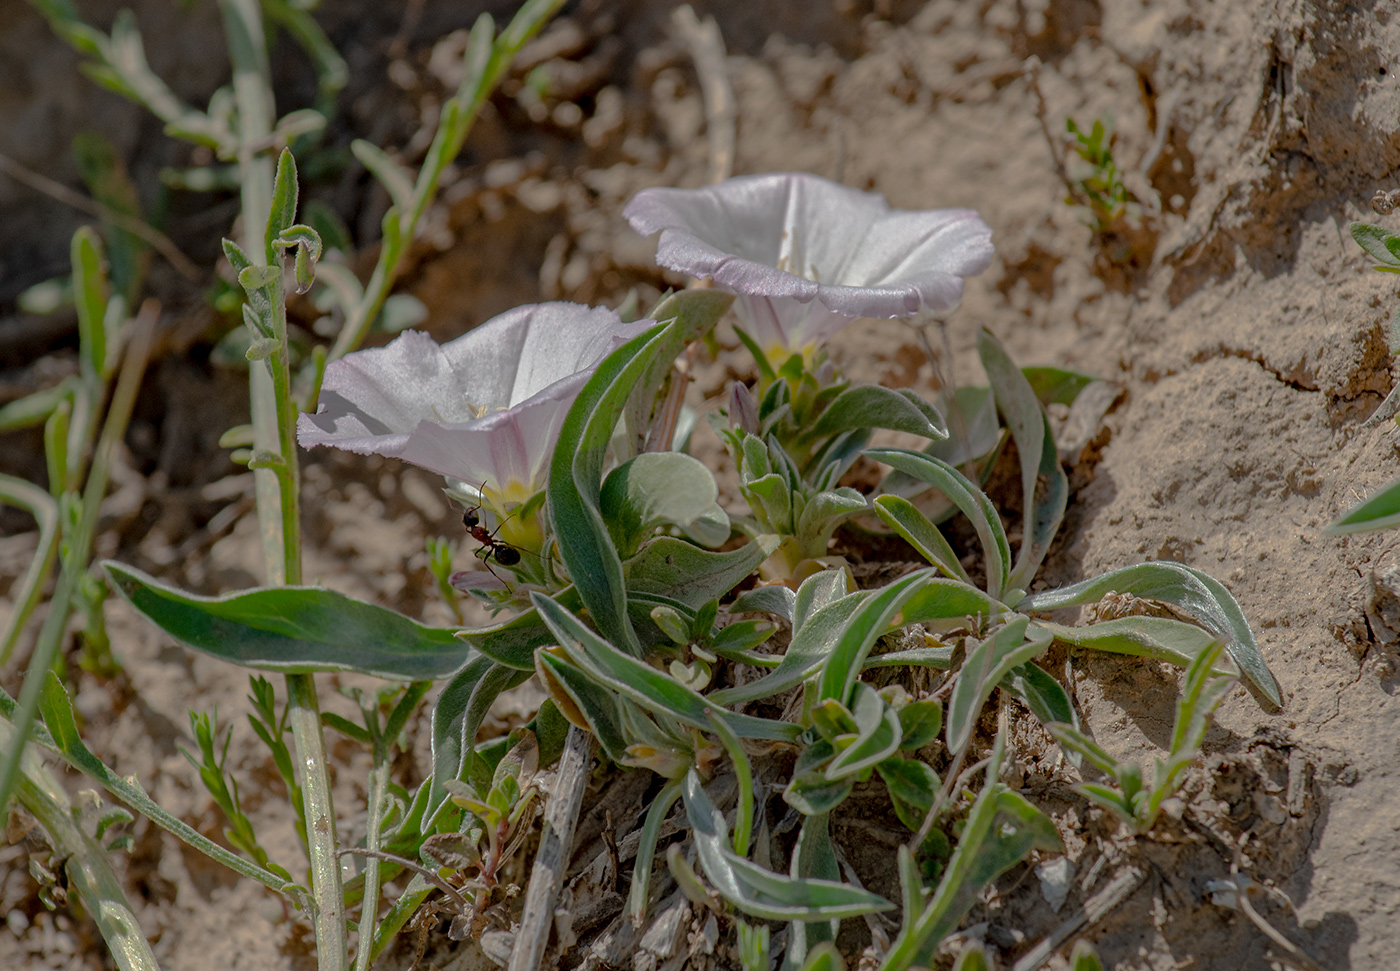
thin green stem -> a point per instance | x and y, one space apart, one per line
288 473
453 127
65 743
369 909
646 851
42 507
85 863
80 542
304 716
273 420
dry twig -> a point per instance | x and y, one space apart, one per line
157 240
547 874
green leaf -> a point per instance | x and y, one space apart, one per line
1381 511
913 786
90 295
824 957
876 614
919 723
1084 957
816 592
974 431
879 737
661 489
1159 638
771 498
824 511
773 599
1380 244
259 277
973 957
904 518
986 665
394 177
296 630
513 642
811 643
969 499
1001 830
814 795
645 685
875 406
813 856
1042 694
575 484
1072 739
457 716
1035 444
1056 386
579 697
691 314
759 892
694 576
1200 595
284 203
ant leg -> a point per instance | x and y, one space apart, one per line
483 553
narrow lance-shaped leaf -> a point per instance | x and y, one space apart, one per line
986 665
284 203
90 295
969 499
1381 511
1035 444
296 630
759 892
584 702
1001 830
459 712
1159 638
645 685
875 406
393 176
575 483
1199 594
872 619
904 518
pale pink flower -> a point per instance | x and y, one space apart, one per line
807 255
484 409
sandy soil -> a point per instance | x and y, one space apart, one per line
1246 329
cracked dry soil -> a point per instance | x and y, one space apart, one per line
1247 330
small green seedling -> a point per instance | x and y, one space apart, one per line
1100 189
1129 797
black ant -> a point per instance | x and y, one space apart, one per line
503 552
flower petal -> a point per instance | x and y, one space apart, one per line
802 237
519 353
421 403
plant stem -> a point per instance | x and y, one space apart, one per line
85 863
273 420
289 472
41 506
447 145
369 908
304 716
71 748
